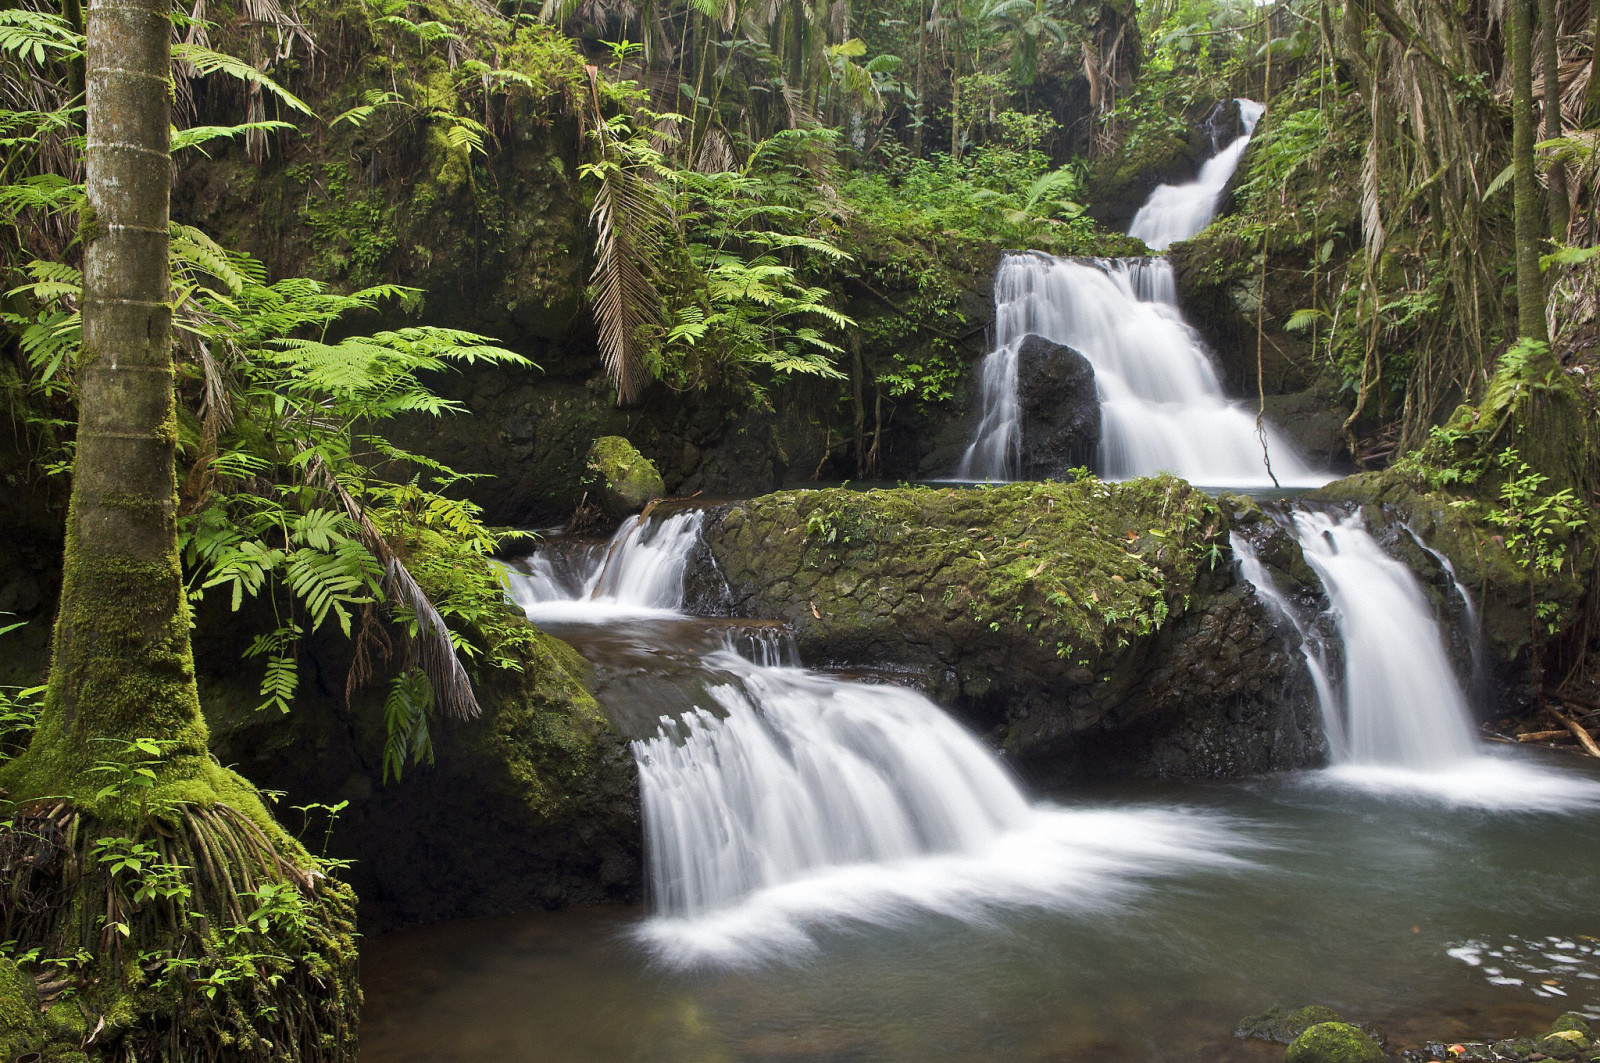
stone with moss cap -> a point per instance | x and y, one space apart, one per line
1277 1024
627 479
1334 1042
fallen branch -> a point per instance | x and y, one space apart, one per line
1585 739
1542 736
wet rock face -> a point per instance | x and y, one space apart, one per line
534 804
1091 629
1060 410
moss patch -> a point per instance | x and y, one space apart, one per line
20 1028
1334 1042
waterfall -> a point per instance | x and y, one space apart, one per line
792 803
638 573
1177 212
1162 406
1398 721
779 803
1403 705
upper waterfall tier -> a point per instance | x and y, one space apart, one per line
1162 406
1177 212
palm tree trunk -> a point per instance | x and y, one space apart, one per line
1530 286
122 666
1591 100
1550 62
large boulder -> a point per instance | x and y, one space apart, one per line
1060 410
1091 628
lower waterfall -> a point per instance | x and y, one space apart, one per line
1397 718
780 804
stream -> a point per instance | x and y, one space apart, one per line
1375 906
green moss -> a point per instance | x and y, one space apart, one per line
1334 1042
627 479
20 1028
1081 568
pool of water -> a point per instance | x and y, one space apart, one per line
1427 917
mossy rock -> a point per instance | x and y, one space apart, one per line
1283 1026
20 1027
1088 627
628 480
1334 1042
1569 1037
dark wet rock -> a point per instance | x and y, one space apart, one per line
534 804
626 480
1092 629
1283 1025
1334 1042
1060 410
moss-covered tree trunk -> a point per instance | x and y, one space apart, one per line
222 938
122 666
1530 286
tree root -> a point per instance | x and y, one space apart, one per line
195 933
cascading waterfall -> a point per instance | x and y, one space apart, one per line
1177 212
1162 406
639 572
1403 706
1397 719
778 802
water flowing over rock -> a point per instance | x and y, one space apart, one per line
1177 212
1162 407
777 801
1395 713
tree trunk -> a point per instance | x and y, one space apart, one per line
122 666
1591 100
1530 285
1550 63
922 80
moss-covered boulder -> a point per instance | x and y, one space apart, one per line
21 1031
1334 1042
626 480
1093 628
1569 1037
1283 1025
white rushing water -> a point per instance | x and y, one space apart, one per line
785 802
1177 212
1162 407
639 573
800 802
1400 721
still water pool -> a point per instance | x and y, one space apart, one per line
1422 915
